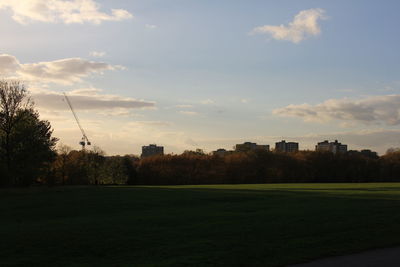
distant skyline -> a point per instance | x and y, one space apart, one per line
209 74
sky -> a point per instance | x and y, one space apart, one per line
208 74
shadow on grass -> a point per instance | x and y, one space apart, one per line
157 226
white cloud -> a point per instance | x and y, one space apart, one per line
68 12
190 113
374 109
88 99
117 112
64 71
184 106
207 102
97 54
8 65
304 24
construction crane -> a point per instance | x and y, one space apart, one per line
84 141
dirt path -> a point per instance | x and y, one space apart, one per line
388 257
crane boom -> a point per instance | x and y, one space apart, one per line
85 139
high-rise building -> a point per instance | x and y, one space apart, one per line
284 146
334 147
152 150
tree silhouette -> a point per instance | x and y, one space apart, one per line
61 162
26 142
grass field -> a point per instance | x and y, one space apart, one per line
224 225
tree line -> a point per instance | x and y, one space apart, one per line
267 167
73 167
29 155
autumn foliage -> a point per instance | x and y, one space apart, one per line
88 167
267 167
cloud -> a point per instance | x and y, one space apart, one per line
377 139
150 26
304 24
207 102
118 139
190 113
374 109
64 71
149 124
8 65
118 112
68 12
97 54
88 99
184 106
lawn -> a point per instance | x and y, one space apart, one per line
223 225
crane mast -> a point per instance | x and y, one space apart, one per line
84 141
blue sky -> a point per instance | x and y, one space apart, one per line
209 74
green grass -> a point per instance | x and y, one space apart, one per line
223 225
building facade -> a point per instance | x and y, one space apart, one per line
334 147
370 154
221 152
248 146
284 146
152 150
365 152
